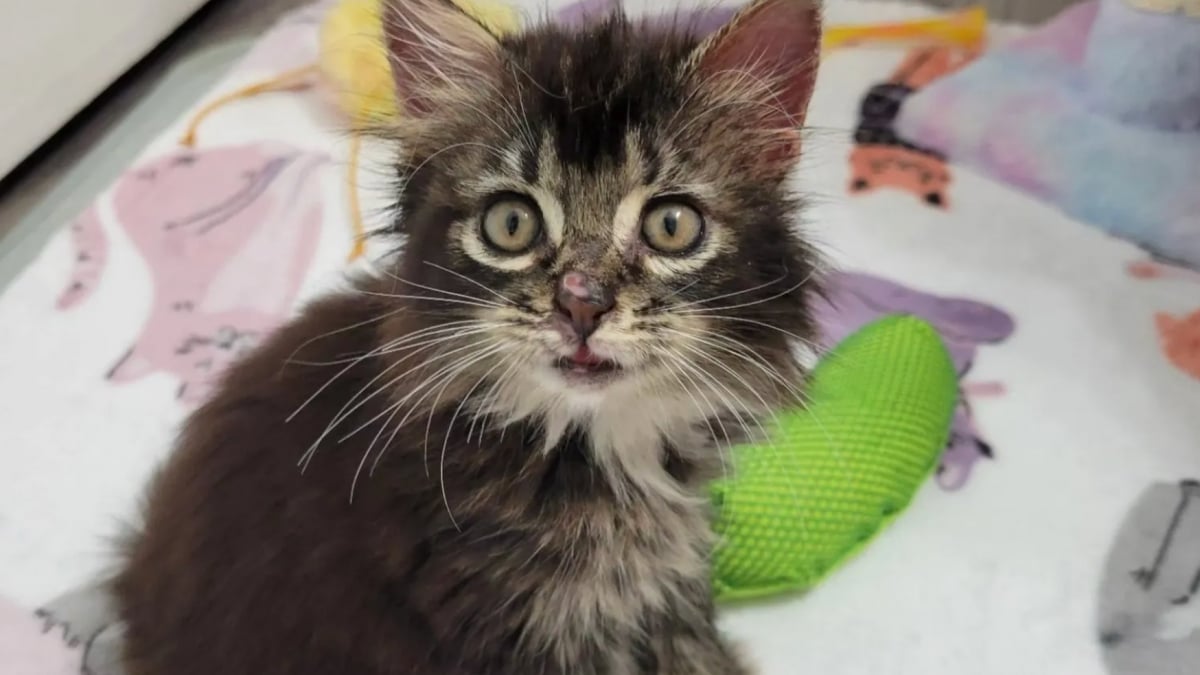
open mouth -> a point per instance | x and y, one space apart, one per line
585 364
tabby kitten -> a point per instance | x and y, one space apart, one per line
490 459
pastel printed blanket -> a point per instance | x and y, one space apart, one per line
1036 113
1060 535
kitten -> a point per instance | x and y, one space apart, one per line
492 458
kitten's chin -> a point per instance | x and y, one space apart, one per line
576 378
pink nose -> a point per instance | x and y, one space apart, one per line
582 302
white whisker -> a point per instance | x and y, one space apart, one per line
446 440
343 329
748 304
346 410
427 382
755 322
672 308
466 278
463 296
483 304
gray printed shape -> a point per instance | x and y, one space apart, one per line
88 620
1149 605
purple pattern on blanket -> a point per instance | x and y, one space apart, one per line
228 234
1042 113
855 299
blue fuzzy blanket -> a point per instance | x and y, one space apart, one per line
1097 112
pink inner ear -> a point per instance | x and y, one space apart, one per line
777 41
432 43
412 57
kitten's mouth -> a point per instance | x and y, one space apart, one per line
584 364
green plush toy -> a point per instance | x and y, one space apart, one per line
837 473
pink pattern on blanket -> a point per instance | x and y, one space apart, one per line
228 234
91 255
292 43
27 648
1017 163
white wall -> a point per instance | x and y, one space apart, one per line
57 55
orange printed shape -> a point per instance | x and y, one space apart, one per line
924 65
915 172
1180 338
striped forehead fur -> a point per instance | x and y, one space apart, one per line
592 92
591 124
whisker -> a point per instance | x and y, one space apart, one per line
679 290
343 329
329 382
768 444
395 410
434 359
739 351
735 410
749 304
738 377
444 291
413 172
715 416
671 308
493 394
393 345
740 319
445 384
346 409
483 304
468 279
426 383
722 452
446 440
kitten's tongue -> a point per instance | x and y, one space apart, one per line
584 356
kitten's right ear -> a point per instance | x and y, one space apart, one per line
435 50
769 53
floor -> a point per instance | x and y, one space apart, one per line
61 179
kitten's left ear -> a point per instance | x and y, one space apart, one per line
436 49
770 51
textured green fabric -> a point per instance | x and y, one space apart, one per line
838 473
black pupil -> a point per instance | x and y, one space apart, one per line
512 223
671 223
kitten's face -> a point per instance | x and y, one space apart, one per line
611 204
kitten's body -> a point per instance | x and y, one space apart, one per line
540 571
504 451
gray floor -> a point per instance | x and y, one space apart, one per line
61 180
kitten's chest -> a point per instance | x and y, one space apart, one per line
611 584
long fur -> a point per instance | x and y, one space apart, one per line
402 481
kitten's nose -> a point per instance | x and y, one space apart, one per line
582 301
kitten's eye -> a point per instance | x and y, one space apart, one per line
673 228
511 225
